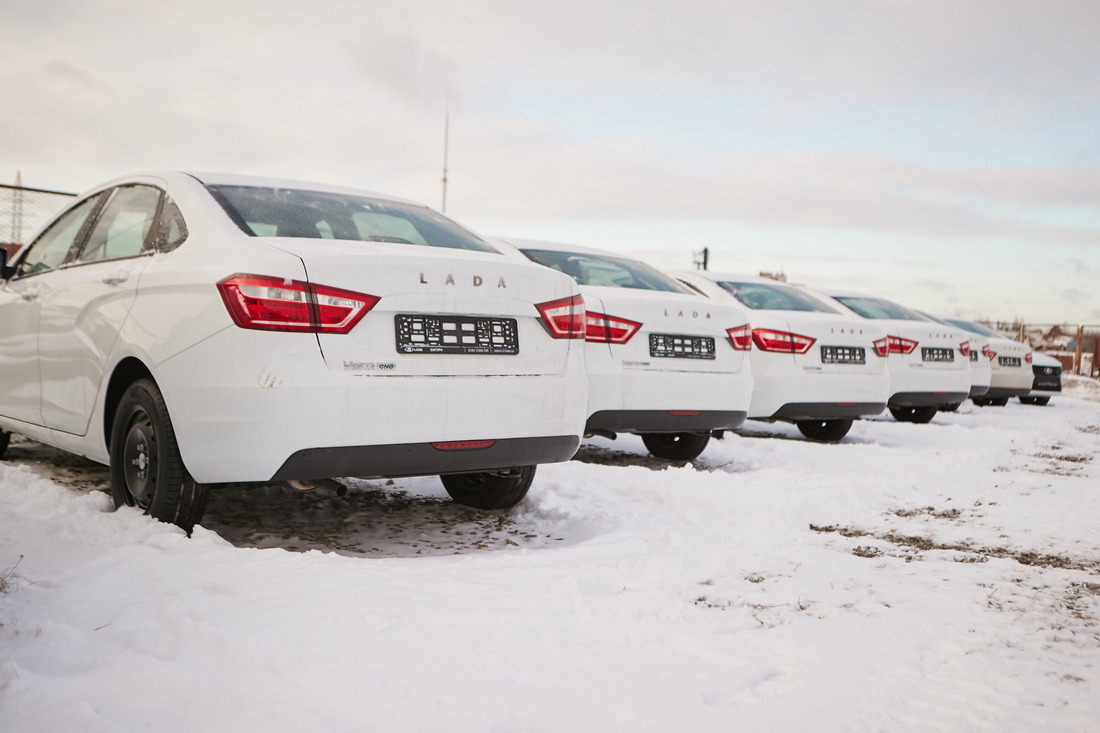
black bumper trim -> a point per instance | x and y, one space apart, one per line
793 411
661 421
978 390
422 459
999 392
927 399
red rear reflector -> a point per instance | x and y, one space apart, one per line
564 318
845 404
685 412
463 444
740 337
1029 358
604 329
266 303
781 341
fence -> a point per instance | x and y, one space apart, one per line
23 210
1076 346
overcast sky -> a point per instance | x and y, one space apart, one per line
943 153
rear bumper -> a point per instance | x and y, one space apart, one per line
780 386
613 389
794 411
979 390
417 459
926 399
663 421
1000 392
252 406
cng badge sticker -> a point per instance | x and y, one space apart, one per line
368 366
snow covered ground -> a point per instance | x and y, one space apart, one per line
913 578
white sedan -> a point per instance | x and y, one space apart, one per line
1047 382
981 372
662 361
199 329
1009 361
929 362
812 365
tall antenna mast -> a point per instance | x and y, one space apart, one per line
446 137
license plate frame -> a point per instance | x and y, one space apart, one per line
856 355
681 346
1010 361
422 333
937 354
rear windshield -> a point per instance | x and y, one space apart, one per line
765 297
974 328
603 271
878 309
287 212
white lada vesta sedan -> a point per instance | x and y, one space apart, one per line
929 362
199 329
662 362
811 364
1010 364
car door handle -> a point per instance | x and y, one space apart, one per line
116 278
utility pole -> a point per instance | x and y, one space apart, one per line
446 138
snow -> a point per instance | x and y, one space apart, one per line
912 578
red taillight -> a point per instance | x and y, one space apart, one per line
882 346
564 318
1029 358
463 444
964 347
898 345
989 353
604 329
685 412
781 341
740 337
268 303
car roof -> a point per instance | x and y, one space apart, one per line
238 179
735 277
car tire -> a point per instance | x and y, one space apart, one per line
918 415
1025 400
952 407
676 446
500 489
998 401
146 468
825 431
5 438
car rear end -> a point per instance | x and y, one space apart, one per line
1011 374
820 366
1047 380
664 362
928 361
378 358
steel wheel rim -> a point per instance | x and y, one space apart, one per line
139 459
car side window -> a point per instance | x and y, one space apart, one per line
123 227
173 229
52 248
